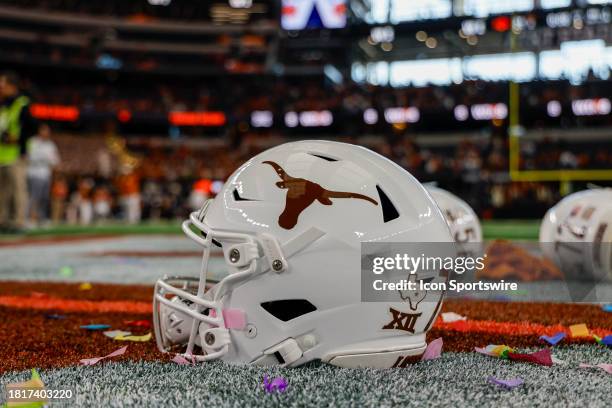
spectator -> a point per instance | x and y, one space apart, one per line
42 159
16 127
81 208
128 184
102 203
59 193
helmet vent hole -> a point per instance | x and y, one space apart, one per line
288 309
237 196
320 156
388 209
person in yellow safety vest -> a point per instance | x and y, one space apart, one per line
16 127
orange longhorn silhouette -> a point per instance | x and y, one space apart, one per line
301 193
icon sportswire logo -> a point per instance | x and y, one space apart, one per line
301 193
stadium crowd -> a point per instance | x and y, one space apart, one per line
170 180
108 172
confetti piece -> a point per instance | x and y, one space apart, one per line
484 351
509 384
556 360
85 286
451 317
542 357
182 360
115 333
607 308
579 330
278 384
138 323
146 337
95 360
433 350
39 295
607 341
95 326
55 316
495 350
501 350
66 271
554 339
33 383
606 367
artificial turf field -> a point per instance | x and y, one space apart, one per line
42 274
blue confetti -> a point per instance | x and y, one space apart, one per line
607 308
96 327
553 339
55 316
607 340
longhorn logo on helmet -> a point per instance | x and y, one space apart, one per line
301 193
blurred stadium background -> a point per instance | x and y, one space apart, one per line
153 103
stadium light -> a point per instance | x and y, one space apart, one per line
316 118
60 113
402 115
159 2
204 118
291 119
489 111
262 119
553 108
461 113
370 116
591 107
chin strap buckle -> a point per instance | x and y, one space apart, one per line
286 352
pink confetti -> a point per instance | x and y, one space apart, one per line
182 360
606 367
511 383
433 350
95 360
542 357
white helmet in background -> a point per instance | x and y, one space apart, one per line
461 218
290 223
577 234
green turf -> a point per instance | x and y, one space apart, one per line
454 380
527 230
511 229
111 228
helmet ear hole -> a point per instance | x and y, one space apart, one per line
288 309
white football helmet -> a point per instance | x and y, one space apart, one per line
461 218
290 223
577 234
